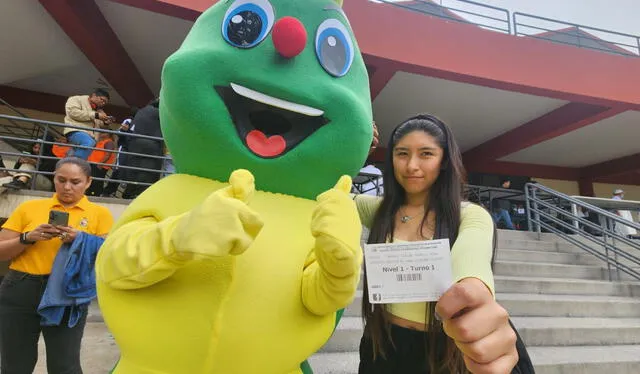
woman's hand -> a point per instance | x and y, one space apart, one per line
68 234
43 232
479 326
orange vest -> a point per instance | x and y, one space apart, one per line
60 151
97 155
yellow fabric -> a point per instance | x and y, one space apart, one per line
470 255
38 258
177 303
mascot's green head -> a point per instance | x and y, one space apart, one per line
277 87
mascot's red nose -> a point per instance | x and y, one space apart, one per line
289 37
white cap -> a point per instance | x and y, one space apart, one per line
618 191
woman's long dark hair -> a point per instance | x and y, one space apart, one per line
445 198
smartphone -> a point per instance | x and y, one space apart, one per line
58 218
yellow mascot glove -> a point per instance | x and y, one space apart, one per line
144 251
333 271
223 224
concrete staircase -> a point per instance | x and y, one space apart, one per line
572 319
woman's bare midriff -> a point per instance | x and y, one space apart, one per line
405 323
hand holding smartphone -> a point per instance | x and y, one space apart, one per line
58 218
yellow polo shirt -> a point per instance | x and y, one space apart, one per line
38 258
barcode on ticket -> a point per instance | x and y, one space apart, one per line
409 277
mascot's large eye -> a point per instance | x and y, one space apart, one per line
247 22
334 47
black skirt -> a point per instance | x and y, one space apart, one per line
407 355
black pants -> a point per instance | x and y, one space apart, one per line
20 329
408 357
112 187
96 186
409 354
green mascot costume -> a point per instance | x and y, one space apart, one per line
242 262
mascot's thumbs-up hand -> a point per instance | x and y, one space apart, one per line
223 224
330 281
337 229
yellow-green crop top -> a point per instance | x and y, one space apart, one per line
470 255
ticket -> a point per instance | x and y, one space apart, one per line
408 272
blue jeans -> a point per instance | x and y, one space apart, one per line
82 139
502 214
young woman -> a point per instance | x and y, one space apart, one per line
31 244
466 329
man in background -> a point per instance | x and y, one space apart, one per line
86 112
501 208
146 122
618 194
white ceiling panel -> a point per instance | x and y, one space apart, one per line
31 42
80 79
608 139
149 38
38 55
475 113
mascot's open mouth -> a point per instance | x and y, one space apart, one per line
268 126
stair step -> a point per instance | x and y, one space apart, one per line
535 331
563 331
533 305
334 362
530 255
618 359
559 286
527 235
537 245
536 305
538 269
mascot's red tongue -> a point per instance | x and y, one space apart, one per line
272 146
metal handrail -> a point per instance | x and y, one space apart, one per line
66 125
49 125
495 23
583 204
505 20
36 128
604 257
635 38
5 103
603 241
2 137
13 126
585 36
13 123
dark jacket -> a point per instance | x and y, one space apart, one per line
146 122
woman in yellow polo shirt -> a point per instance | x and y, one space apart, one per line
466 329
31 244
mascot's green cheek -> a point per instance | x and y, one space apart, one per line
275 87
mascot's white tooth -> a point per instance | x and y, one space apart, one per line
274 101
